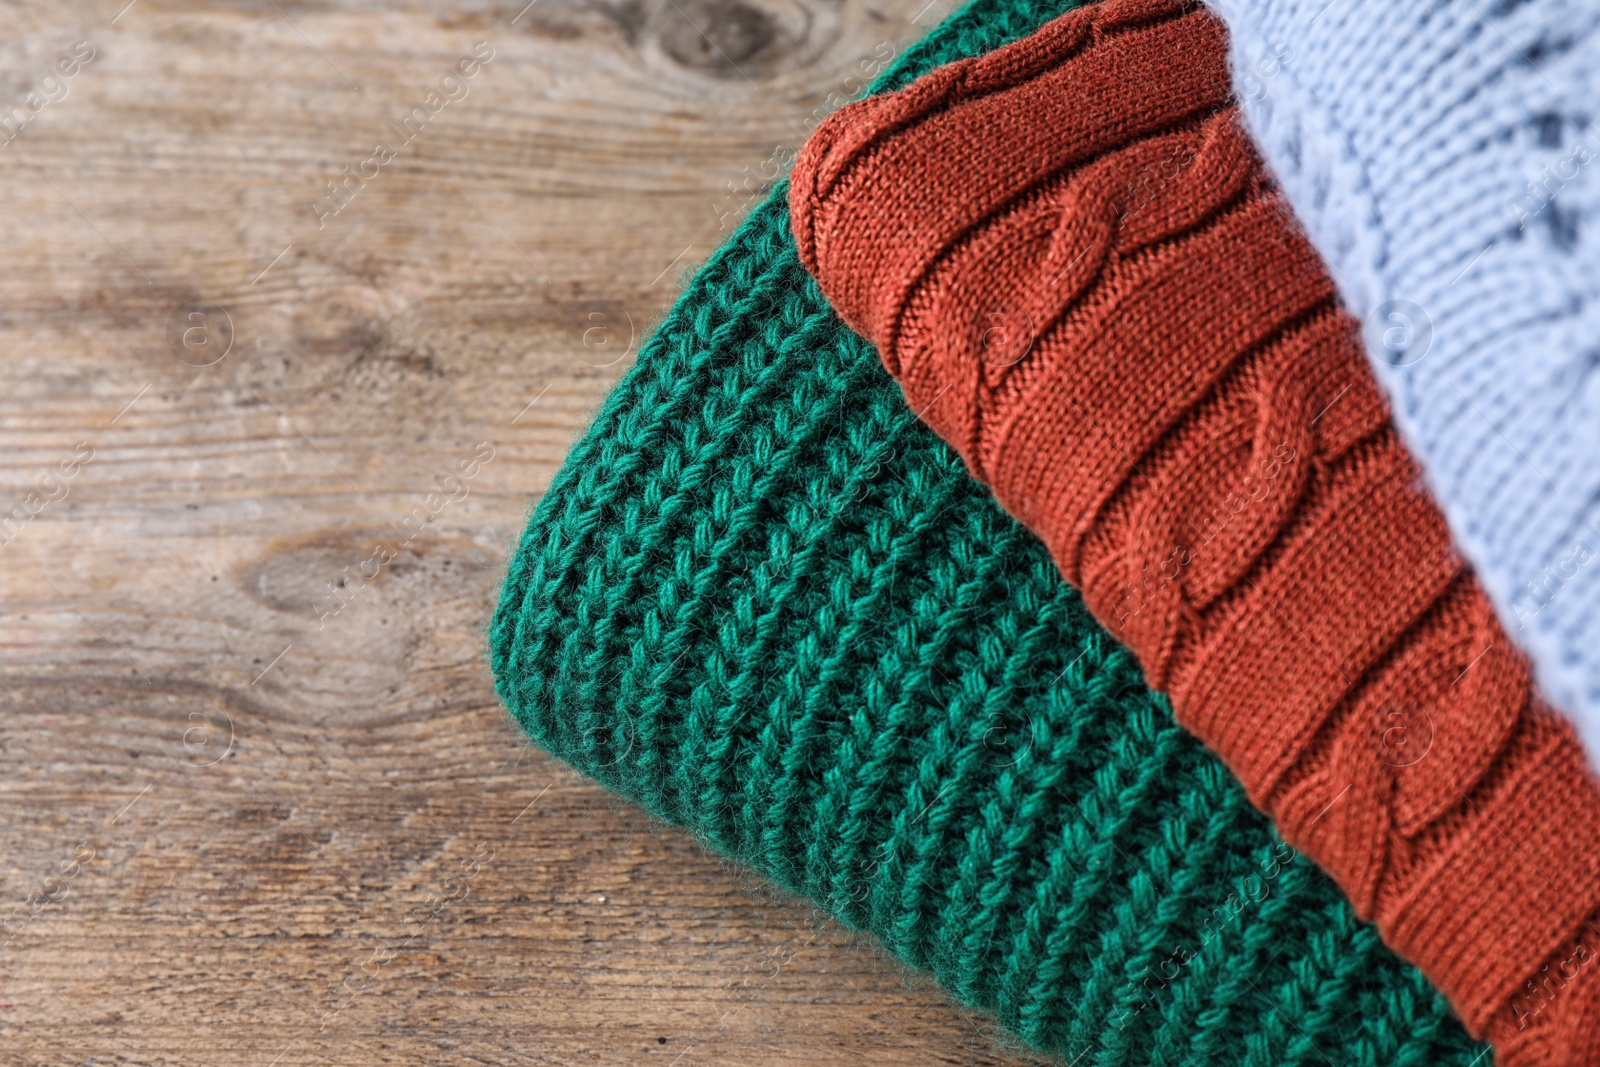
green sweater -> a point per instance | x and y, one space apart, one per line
765 603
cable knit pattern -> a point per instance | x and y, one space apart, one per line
1071 258
1441 156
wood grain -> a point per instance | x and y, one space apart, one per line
254 816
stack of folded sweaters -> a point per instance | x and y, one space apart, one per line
1116 525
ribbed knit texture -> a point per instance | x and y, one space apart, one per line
1442 156
1070 256
767 604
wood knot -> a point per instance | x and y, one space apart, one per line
737 40
719 37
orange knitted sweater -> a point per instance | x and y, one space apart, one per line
1072 260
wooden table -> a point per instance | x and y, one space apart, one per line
252 817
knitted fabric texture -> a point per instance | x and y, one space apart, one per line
1069 256
1440 154
764 602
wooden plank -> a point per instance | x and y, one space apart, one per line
248 821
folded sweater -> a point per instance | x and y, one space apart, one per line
764 602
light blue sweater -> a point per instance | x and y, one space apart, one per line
1444 156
